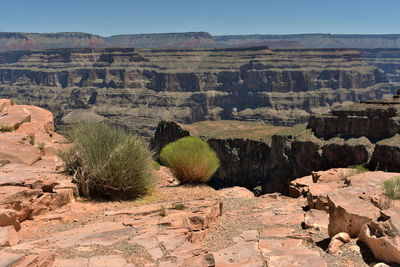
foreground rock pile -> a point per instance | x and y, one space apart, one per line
356 207
30 184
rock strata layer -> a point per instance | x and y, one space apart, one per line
139 87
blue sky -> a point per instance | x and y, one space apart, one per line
217 17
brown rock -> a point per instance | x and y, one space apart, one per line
75 262
383 236
299 187
14 118
348 213
317 219
9 217
9 259
334 246
289 252
106 261
236 192
8 236
344 237
41 260
276 232
242 254
204 260
4 104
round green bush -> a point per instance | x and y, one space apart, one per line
190 159
107 162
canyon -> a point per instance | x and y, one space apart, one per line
265 159
136 88
332 218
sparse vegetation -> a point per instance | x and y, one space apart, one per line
31 139
358 169
5 128
12 102
391 188
180 206
163 211
41 146
244 129
190 159
107 162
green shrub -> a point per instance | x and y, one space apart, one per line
391 188
31 139
180 206
156 165
5 128
190 159
107 162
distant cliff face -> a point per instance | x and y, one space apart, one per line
139 87
27 41
317 40
388 60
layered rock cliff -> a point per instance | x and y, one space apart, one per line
139 87
361 133
388 60
24 41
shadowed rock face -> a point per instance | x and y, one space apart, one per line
139 87
361 133
269 167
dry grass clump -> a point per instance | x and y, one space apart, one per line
107 162
391 188
190 159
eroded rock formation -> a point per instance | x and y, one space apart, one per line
139 87
361 133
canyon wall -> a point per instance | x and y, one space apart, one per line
365 133
266 167
11 41
137 88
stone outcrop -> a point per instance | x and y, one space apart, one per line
375 120
139 87
382 236
357 207
30 184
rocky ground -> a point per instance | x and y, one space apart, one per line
333 218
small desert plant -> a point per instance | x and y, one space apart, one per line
190 159
163 211
5 128
359 168
12 102
180 206
391 188
107 162
31 139
41 146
